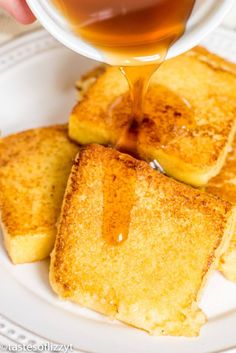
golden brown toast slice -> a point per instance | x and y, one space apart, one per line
224 185
153 279
189 120
34 168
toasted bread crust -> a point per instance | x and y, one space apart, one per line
175 236
224 186
34 167
189 115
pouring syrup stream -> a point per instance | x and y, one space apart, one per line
135 35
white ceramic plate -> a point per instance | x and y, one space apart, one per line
37 78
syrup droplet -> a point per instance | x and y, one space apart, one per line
119 183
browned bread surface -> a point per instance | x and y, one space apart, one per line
189 114
34 168
224 185
153 279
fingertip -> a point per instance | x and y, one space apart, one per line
25 18
19 10
22 12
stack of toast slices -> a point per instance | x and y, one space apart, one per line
126 240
